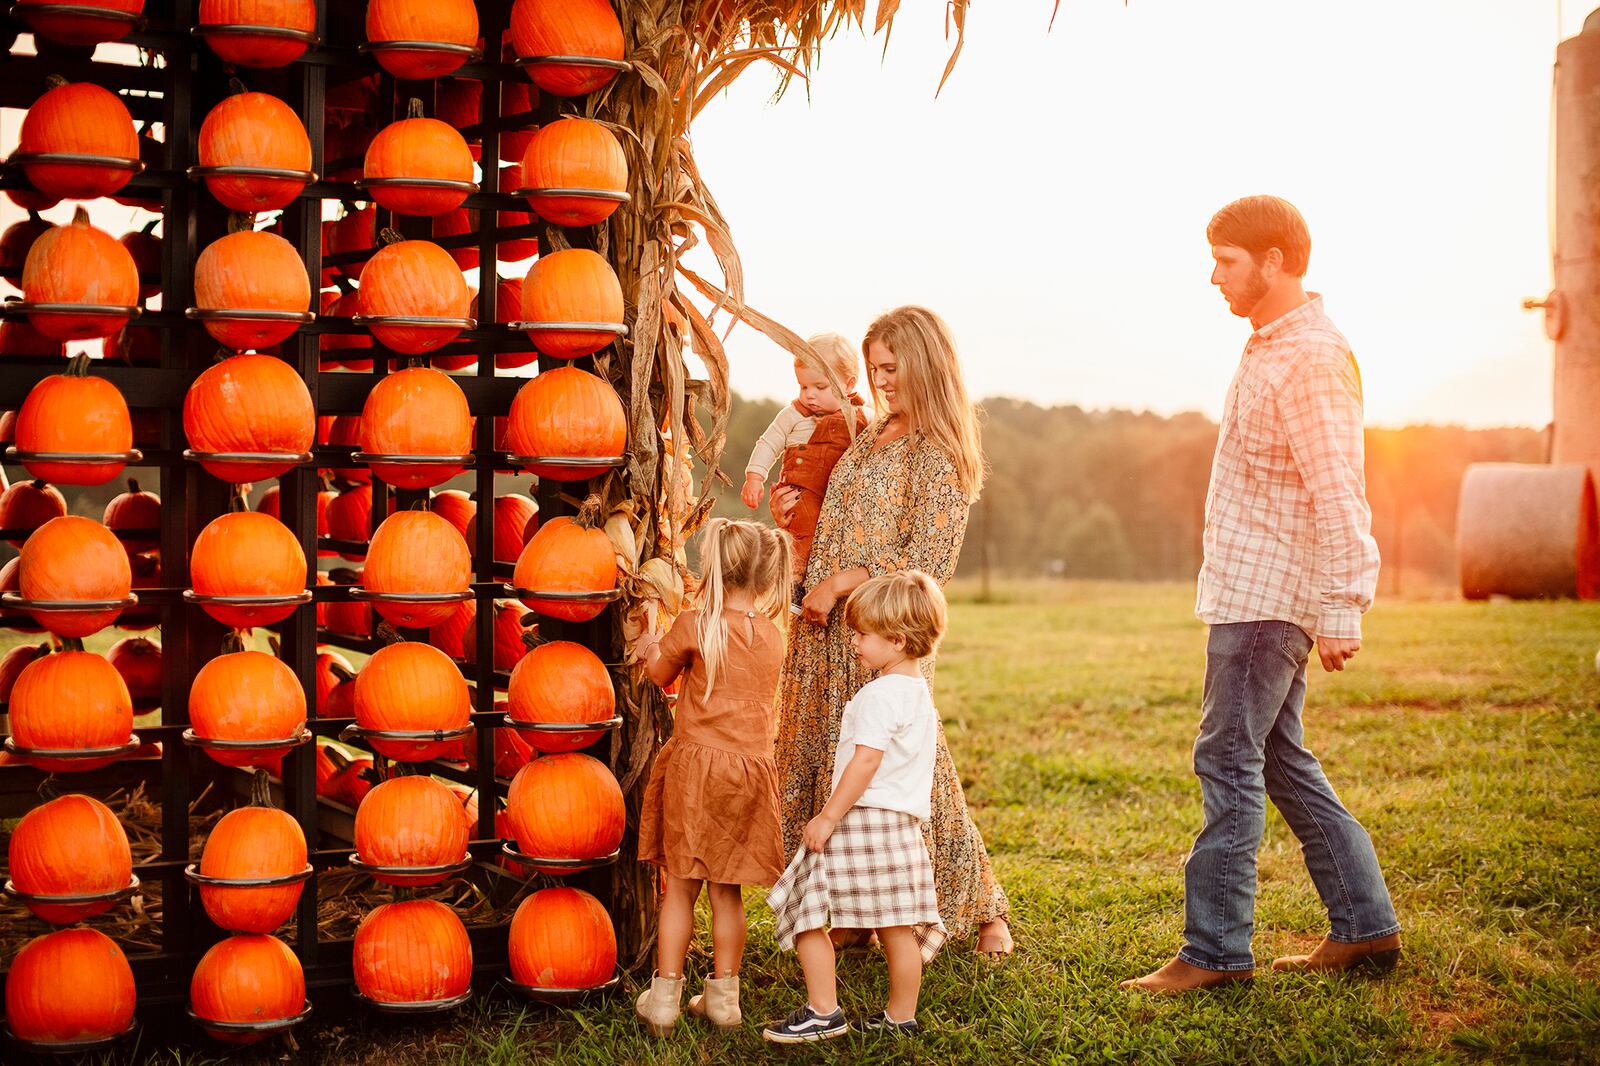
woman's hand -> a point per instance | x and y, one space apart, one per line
819 602
817 832
782 502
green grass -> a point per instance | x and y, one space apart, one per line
1464 736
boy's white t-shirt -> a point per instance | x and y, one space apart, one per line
893 713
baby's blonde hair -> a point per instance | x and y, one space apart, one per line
749 556
906 604
838 354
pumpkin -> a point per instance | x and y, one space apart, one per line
460 104
567 28
569 413
516 518
354 231
249 403
13 661
433 21
256 49
456 223
251 271
516 98
146 575
573 285
28 505
71 846
72 558
344 146
70 700
247 977
412 952
20 621
565 806
79 119
575 154
17 337
345 431
78 264
562 938
418 148
515 249
561 681
511 753
450 634
247 695
351 784
80 23
570 556
416 552
254 130
418 411
347 305
418 279
134 509
135 346
350 518
269 505
329 672
74 412
138 660
508 631
507 309
249 843
247 554
349 618
153 154
145 247
411 687
84 961
14 245
455 507
411 821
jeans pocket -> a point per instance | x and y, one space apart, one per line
1297 643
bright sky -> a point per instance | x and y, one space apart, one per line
1052 202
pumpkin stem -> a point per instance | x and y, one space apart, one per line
589 512
233 641
239 221
80 216
414 108
78 365
54 81
133 486
344 575
47 787
336 755
342 672
150 227
386 236
530 634
260 788
71 643
388 634
235 86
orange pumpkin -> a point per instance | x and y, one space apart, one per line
12 662
335 345
507 309
80 23
134 509
247 695
567 28
450 634
350 518
354 231
14 245
78 264
565 806
573 285
269 505
455 507
256 49
418 148
79 119
138 660
510 179
349 618
460 104
345 431
456 223
561 681
249 403
411 821
562 938
74 412
567 556
575 154
134 346
10 575
251 271
84 961
511 753
416 552
516 518
72 558
412 952
417 279
516 98
71 846
508 632
246 978
411 687
435 21
70 700
418 411
145 247
17 337
250 843
247 554
350 785
29 505
566 413
254 130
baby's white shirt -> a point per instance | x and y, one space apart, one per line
895 714
791 426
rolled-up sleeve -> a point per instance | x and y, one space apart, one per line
934 522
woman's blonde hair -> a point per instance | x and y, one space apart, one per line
907 604
929 390
747 556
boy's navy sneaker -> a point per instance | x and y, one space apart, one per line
882 1023
806 1025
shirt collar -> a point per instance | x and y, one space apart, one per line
1305 313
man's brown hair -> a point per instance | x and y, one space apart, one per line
1260 223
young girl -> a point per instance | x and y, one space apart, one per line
710 810
863 863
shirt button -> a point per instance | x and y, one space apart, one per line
799 462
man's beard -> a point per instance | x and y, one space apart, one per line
1255 287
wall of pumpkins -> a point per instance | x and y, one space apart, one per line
299 438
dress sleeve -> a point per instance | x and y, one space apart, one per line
682 642
934 523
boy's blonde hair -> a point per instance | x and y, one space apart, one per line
907 604
748 556
838 354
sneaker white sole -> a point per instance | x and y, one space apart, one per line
804 1038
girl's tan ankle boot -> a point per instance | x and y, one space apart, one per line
657 1006
719 1005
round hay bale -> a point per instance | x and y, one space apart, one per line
1528 532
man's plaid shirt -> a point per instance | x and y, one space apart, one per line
1288 530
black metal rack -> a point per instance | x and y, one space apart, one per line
177 91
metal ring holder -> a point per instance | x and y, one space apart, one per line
73 159
194 876
68 1047
235 29
414 322
266 1028
203 599
22 11
109 896
404 736
115 751
449 184
426 1006
518 724
231 170
291 458
17 601
363 594
561 997
616 329
609 596
412 460
195 740
619 65
132 455
508 848
247 314
468 52
375 870
596 463
612 196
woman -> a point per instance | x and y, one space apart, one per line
897 500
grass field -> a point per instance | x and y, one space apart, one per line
1465 737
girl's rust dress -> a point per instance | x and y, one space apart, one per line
898 508
710 809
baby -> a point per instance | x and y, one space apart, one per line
811 434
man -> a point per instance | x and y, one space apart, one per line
1289 565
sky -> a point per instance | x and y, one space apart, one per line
1051 203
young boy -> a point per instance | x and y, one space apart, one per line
864 864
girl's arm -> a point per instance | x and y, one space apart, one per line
852 783
665 656
657 667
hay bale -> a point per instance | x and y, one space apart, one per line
1528 531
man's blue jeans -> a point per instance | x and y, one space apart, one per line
1250 749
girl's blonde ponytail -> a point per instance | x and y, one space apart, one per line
739 555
